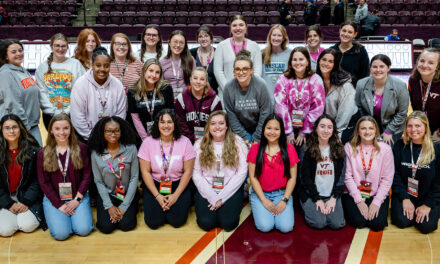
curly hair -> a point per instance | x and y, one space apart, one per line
97 140
25 141
336 147
230 151
177 133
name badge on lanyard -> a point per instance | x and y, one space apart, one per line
165 182
218 181
198 132
103 103
425 96
365 185
413 183
64 188
298 115
120 188
297 118
149 125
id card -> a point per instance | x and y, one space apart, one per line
297 118
165 187
413 187
65 189
365 189
218 182
101 115
120 191
149 125
198 132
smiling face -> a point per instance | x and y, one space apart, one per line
327 63
367 132
276 38
90 44
272 131
11 132
379 70
299 63
243 72
101 68
313 39
238 28
15 55
204 39
428 63
347 33
166 126
199 81
151 37
59 49
61 131
120 47
416 130
112 132
218 127
177 44
152 74
324 130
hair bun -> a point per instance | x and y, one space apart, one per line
100 51
244 52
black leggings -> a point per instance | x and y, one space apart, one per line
155 217
355 219
401 221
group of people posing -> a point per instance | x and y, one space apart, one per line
196 125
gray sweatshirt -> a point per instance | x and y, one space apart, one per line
19 94
271 72
361 13
106 181
247 109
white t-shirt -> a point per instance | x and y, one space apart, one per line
325 174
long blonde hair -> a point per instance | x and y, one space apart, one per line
356 140
230 150
141 85
428 152
50 154
268 50
207 87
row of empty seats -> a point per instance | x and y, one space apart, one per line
407 17
185 18
41 18
403 5
39 5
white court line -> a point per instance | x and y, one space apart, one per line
430 247
357 246
9 251
212 247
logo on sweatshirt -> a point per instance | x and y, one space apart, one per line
27 82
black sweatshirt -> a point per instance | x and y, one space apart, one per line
428 176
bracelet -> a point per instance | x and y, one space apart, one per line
157 195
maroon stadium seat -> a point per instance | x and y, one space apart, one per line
115 17
102 17
208 5
142 17
431 17
221 5
45 6
195 17
410 5
58 6
170 5
249 17
246 5
274 17
373 4
182 17
222 17
299 17
129 17
168 17
65 18
208 17
26 18
385 5
259 5
156 5
196 5
424 5
435 5
183 5
261 17
71 6
40 18
144 5
233 5
397 5
32 6
405 17
132 5
155 17
418 17
272 5
52 18
107 5
391 17
297 5
119 5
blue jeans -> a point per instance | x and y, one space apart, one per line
265 221
250 136
61 226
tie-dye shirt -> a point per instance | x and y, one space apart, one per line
307 95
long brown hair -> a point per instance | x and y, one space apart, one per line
80 51
268 50
356 140
129 56
185 57
428 153
141 85
416 74
50 154
230 151
58 36
290 72
336 147
158 44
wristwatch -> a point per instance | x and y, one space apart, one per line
77 198
285 200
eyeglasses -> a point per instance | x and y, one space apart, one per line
242 70
12 128
60 46
120 44
178 43
151 35
114 132
204 36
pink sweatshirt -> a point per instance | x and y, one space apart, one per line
311 101
85 105
234 177
381 174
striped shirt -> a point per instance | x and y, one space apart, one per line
131 74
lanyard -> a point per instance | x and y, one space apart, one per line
119 177
414 166
123 70
299 95
66 163
366 171
176 73
426 95
234 47
103 102
198 110
218 163
150 110
208 59
165 160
